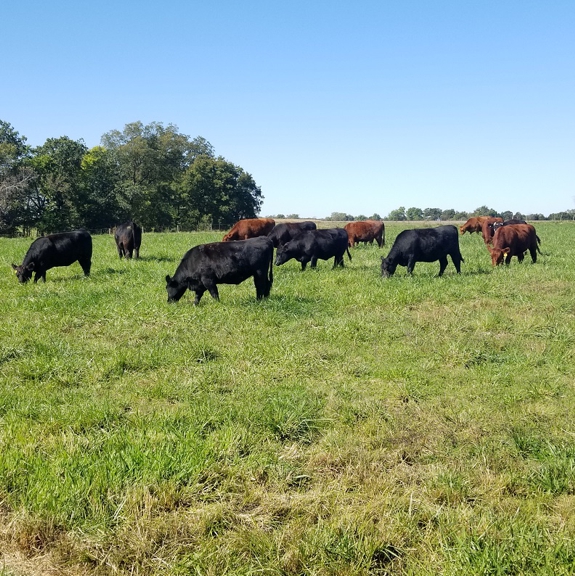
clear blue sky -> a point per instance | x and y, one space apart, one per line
352 106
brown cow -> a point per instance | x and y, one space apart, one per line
487 229
472 225
365 231
250 228
514 240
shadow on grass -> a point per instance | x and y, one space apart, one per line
159 259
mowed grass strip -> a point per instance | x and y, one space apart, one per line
348 424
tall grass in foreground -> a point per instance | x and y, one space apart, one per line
346 425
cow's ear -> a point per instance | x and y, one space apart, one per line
505 251
14 267
168 279
30 266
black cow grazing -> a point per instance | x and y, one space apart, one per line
56 250
423 245
128 237
313 245
207 265
283 233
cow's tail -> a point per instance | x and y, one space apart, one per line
271 274
348 253
537 244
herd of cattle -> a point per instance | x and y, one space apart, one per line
247 250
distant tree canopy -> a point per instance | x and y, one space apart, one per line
152 173
437 214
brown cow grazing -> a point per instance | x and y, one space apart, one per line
514 240
487 228
472 225
365 231
250 228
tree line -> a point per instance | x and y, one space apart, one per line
150 173
437 214
413 213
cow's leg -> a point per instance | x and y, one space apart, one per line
456 259
313 261
211 287
410 264
86 265
136 253
533 252
262 284
199 293
442 265
508 259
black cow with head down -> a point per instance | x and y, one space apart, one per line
315 245
423 245
55 250
283 233
207 265
128 237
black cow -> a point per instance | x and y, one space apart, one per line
206 265
313 245
507 223
423 245
283 233
56 250
128 237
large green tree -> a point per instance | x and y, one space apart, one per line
16 178
59 193
103 206
152 160
218 191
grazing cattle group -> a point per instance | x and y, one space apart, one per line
247 250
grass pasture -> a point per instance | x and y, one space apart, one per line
348 424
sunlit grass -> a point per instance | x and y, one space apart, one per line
346 425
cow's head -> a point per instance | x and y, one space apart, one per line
497 255
388 266
174 289
283 254
23 273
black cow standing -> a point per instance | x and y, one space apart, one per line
207 265
283 233
56 250
128 238
423 245
315 245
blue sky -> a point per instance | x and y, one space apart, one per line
356 107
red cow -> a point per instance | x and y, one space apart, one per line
250 228
365 231
472 225
487 229
514 240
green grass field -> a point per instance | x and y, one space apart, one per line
348 424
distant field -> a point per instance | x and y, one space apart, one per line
346 425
